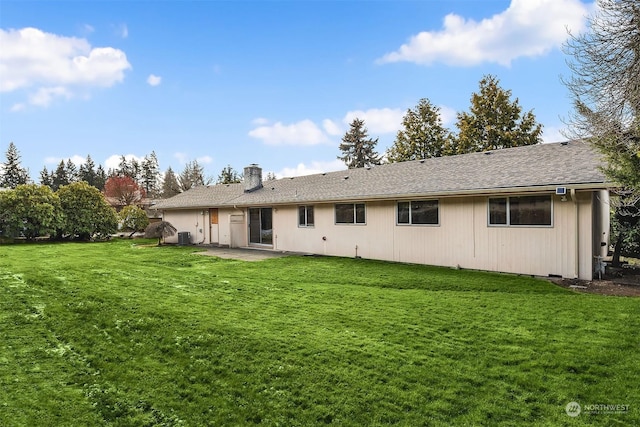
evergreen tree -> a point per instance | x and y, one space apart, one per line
87 172
72 171
101 178
494 121
422 136
150 174
358 150
59 177
192 176
12 173
130 168
228 175
45 177
170 186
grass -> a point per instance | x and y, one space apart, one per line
125 335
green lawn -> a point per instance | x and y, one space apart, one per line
126 335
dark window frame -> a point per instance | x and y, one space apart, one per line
513 211
358 214
411 213
304 212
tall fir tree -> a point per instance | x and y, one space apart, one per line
87 172
72 171
170 185
45 177
228 175
494 121
150 174
192 176
59 177
12 173
358 150
101 178
422 135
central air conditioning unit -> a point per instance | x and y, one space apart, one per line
561 191
184 238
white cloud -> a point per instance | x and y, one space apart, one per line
553 134
313 168
113 161
75 159
45 95
304 132
205 160
51 66
122 30
18 107
331 127
260 121
377 120
447 114
154 80
181 157
528 28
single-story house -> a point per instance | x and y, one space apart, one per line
538 210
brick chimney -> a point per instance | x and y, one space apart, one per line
252 178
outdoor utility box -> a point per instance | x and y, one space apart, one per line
184 238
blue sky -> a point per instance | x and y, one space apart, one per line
269 82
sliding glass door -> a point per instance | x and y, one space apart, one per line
260 227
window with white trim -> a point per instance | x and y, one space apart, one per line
350 213
419 212
305 216
521 211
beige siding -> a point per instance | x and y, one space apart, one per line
463 238
198 223
192 221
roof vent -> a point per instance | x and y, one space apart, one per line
564 143
421 160
346 177
487 152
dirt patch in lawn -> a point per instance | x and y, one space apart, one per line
620 282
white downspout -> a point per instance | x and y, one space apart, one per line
574 199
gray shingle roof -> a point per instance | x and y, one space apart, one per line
544 165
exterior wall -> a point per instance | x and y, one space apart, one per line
463 238
198 223
185 220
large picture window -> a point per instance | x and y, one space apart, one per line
305 216
520 210
350 213
423 212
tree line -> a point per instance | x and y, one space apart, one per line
143 177
493 122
